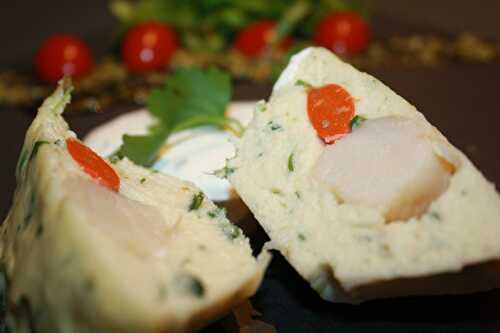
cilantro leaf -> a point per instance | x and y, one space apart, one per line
189 98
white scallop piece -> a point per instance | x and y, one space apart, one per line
192 155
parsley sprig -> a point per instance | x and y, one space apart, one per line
189 98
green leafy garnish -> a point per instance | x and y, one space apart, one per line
356 122
189 98
291 166
196 201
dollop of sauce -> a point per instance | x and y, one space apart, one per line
192 155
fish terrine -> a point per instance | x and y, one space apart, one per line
360 193
90 246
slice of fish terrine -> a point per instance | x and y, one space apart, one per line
94 247
360 193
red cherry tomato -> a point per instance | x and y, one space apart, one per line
252 40
343 33
148 46
93 164
330 109
62 55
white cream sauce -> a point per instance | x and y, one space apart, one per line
191 155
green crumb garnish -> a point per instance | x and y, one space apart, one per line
303 84
435 215
301 237
143 180
196 201
291 166
356 122
231 231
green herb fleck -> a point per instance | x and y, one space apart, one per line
21 163
189 98
162 293
435 215
231 231
191 284
36 147
261 106
143 180
224 172
297 194
196 201
291 166
89 284
301 237
303 84
216 212
202 247
39 231
58 142
31 209
356 122
113 159
275 190
273 126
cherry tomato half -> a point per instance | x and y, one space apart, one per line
61 55
343 33
252 40
148 46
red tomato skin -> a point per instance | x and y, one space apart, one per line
149 46
252 40
61 55
343 33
